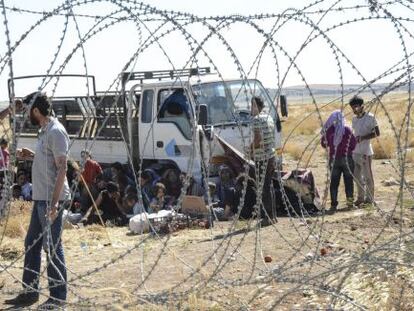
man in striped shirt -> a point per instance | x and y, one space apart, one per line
263 154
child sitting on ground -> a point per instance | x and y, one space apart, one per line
132 204
160 201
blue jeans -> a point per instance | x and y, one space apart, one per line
51 242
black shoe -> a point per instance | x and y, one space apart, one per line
370 202
358 203
23 299
52 304
332 210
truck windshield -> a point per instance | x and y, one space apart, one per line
229 101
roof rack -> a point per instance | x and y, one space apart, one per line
163 74
9 81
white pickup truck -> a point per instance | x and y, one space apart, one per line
161 117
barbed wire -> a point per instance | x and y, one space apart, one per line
302 232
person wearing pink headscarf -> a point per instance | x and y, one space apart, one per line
340 141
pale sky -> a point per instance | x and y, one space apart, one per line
373 46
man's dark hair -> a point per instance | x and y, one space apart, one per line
132 196
146 175
259 102
112 187
356 101
4 141
122 180
22 171
174 108
40 101
117 166
16 187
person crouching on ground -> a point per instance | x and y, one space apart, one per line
338 138
109 207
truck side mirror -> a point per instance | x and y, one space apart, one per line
283 106
202 114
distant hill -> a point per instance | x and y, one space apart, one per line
327 92
3 104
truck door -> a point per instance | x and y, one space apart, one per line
173 131
146 136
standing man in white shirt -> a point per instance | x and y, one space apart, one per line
365 128
50 192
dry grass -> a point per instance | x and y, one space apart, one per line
410 140
302 125
17 222
95 228
410 156
298 153
304 118
398 118
10 251
396 109
14 227
294 150
384 147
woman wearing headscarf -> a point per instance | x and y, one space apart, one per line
338 138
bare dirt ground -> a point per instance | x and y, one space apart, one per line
216 267
354 259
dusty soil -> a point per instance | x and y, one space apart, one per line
222 267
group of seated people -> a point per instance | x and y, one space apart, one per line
111 194
103 195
